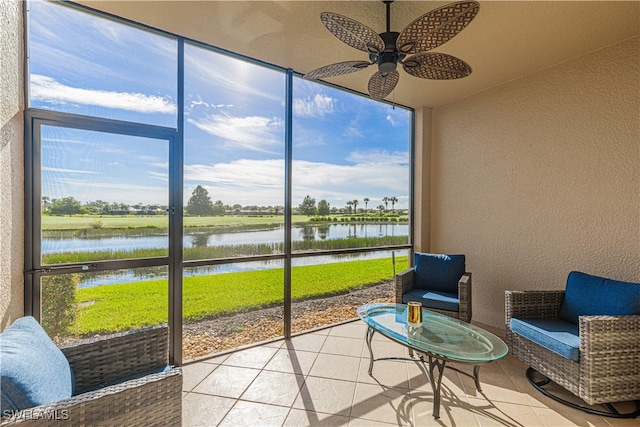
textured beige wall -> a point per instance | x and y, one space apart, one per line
541 176
422 180
11 164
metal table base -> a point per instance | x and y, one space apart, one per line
433 368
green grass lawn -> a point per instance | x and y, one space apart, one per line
78 222
106 309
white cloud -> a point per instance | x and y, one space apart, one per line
316 106
255 133
261 182
62 170
379 158
47 89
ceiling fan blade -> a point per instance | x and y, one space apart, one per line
437 27
352 32
381 84
436 66
337 69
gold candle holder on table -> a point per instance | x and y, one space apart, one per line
414 313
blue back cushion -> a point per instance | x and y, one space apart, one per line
592 295
438 272
34 371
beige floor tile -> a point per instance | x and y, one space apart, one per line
359 422
451 382
200 410
569 418
301 418
255 414
490 413
292 361
336 367
275 388
343 346
193 374
333 388
385 348
326 395
255 357
227 381
379 403
388 373
453 412
355 329
215 359
308 342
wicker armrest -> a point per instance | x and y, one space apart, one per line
403 284
610 337
155 399
532 304
98 360
464 297
609 358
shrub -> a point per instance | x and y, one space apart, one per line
59 308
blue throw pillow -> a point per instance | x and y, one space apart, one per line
34 371
588 295
438 272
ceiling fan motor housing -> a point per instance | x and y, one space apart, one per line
387 60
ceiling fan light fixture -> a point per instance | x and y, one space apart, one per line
387 63
389 48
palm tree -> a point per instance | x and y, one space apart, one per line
366 202
355 206
385 199
393 201
381 208
349 203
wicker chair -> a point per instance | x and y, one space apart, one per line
153 399
405 284
608 366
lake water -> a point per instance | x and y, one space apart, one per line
195 237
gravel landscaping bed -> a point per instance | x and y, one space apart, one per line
231 331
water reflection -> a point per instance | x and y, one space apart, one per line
200 238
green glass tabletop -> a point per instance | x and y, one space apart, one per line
439 335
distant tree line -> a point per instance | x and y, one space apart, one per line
308 206
200 204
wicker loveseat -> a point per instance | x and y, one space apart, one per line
120 379
585 339
439 282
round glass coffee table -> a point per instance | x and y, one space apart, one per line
438 340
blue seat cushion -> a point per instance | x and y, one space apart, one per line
34 370
438 272
433 299
588 295
556 335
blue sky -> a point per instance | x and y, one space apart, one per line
345 146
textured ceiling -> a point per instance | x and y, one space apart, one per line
506 40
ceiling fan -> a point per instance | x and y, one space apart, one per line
391 48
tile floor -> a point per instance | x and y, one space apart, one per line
321 379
